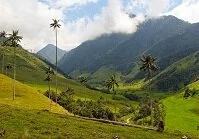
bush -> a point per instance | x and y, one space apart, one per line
82 108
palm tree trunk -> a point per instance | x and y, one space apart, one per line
6 71
48 89
114 93
14 75
151 102
3 63
56 65
49 94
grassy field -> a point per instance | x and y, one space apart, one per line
20 123
26 97
182 114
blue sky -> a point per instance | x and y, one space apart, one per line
92 9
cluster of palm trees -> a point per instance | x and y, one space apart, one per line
11 40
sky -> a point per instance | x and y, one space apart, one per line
83 20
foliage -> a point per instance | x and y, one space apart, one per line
82 108
159 114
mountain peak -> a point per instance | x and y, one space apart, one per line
49 53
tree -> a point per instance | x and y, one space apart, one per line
110 84
149 66
55 25
49 73
83 80
159 116
14 40
8 67
3 35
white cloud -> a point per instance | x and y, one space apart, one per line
32 18
187 10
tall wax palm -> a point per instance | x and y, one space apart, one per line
55 25
49 73
110 84
3 35
149 66
14 40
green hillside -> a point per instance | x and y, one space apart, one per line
30 70
26 97
179 74
182 115
20 123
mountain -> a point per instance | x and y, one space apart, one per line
120 53
49 51
89 56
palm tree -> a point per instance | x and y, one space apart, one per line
3 35
49 73
8 67
149 66
83 80
55 25
14 39
110 84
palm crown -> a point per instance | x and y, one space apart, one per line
110 84
83 80
3 34
55 24
49 72
14 38
148 64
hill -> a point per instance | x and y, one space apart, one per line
26 97
30 70
179 74
121 56
48 53
20 123
182 114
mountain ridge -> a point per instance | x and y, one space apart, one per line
48 53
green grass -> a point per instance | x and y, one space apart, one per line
181 114
20 123
26 97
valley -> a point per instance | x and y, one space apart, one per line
148 78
